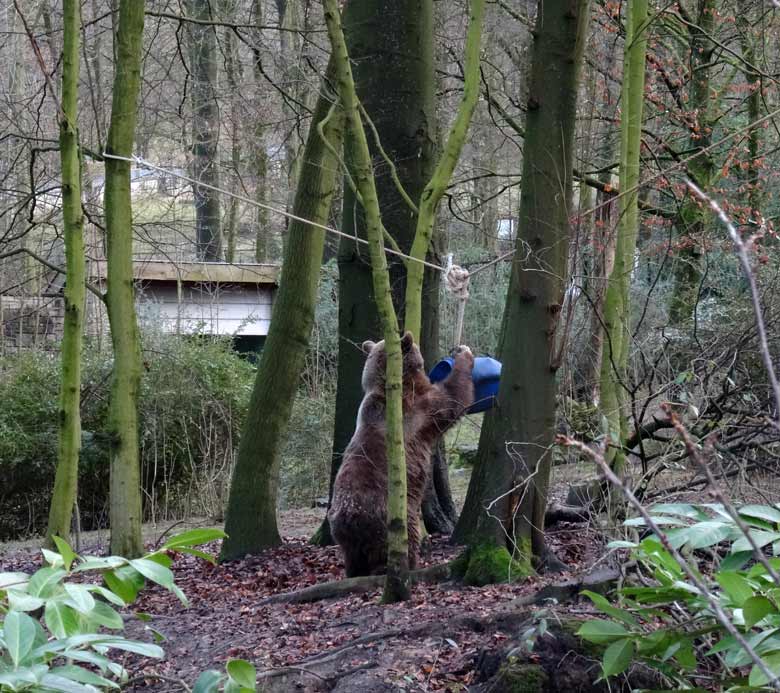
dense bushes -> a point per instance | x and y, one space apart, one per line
194 395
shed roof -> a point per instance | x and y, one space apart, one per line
198 272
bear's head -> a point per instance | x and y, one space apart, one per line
374 370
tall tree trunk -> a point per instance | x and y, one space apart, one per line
125 510
66 479
755 194
397 585
507 496
617 305
250 521
390 44
205 131
233 74
693 218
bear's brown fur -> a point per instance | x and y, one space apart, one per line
358 514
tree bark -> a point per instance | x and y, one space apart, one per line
391 46
397 582
507 496
694 217
205 131
250 521
125 510
617 304
66 478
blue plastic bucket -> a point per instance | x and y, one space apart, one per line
485 376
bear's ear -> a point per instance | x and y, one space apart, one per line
368 345
407 341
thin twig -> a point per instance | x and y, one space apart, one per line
744 259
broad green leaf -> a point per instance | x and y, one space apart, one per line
620 544
756 608
617 657
194 537
125 582
242 672
600 631
660 520
736 586
19 635
682 509
108 563
44 581
108 595
208 682
85 676
88 657
104 615
63 684
60 619
67 553
736 561
53 559
772 662
16 580
762 512
141 648
83 601
702 534
603 605
759 536
153 571
200 554
21 601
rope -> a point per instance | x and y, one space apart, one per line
456 278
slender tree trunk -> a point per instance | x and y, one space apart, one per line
265 239
234 78
66 479
125 510
617 305
694 217
397 584
508 493
250 521
755 194
205 131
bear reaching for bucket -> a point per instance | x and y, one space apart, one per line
358 514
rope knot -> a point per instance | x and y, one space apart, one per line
457 279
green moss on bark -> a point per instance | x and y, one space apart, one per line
486 564
522 678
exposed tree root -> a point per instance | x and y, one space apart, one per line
356 585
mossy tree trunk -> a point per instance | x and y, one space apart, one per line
694 217
234 76
748 42
205 130
125 485
66 479
397 584
507 496
617 304
251 514
391 46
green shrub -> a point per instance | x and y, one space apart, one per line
193 399
53 632
668 624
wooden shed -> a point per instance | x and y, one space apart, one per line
213 298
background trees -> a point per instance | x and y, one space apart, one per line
224 98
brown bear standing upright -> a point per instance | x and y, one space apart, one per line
358 513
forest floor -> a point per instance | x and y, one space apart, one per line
350 644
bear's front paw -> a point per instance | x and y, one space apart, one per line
463 352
